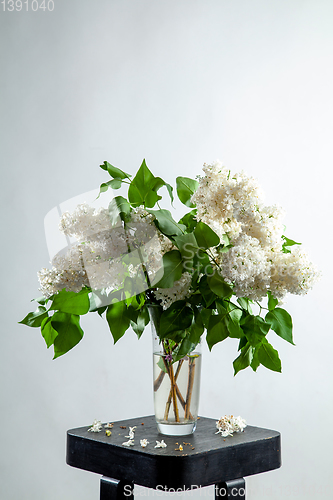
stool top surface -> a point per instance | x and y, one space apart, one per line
206 457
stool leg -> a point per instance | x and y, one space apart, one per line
114 489
234 490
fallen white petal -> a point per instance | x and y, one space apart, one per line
130 442
160 444
96 426
228 424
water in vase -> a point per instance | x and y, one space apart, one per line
176 393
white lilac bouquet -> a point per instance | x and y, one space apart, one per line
201 275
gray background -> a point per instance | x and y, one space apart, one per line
179 83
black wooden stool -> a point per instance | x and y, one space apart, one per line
188 462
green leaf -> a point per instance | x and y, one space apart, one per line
141 321
101 310
36 318
170 191
177 336
177 317
118 319
245 304
269 357
158 183
71 302
197 327
205 316
217 330
225 244
189 221
138 301
205 236
206 292
255 329
233 325
141 190
281 322
69 332
114 171
102 189
221 306
287 244
115 184
119 208
242 342
201 263
41 300
185 189
195 299
166 224
217 285
244 359
188 248
255 363
185 348
224 249
226 240
96 300
272 302
48 332
161 365
172 267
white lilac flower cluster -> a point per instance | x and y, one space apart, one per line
104 252
85 221
233 205
228 424
96 260
179 291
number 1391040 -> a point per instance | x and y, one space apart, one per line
34 5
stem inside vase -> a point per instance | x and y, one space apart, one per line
176 388
176 381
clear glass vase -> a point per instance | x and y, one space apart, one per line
176 387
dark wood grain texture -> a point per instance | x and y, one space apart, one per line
209 459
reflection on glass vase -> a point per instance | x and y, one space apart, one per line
176 386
